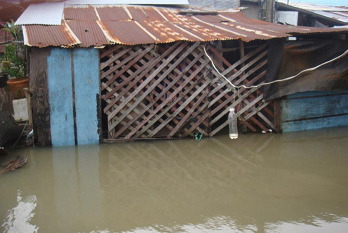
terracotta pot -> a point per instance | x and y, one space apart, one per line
17 87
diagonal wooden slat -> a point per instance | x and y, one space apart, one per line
160 107
188 51
181 47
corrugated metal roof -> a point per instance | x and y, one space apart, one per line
49 13
341 16
320 2
129 2
329 12
130 25
44 36
312 7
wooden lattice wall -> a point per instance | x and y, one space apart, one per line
172 90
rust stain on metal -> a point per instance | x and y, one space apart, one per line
153 14
44 36
112 13
165 32
80 13
88 32
96 26
126 32
137 14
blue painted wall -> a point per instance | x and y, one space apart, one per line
314 110
73 82
60 93
86 77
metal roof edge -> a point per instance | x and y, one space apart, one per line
289 7
126 2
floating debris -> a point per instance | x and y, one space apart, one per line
13 164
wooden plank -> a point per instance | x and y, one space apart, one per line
163 104
170 106
161 91
160 78
129 117
119 54
200 120
181 107
229 100
86 77
59 69
132 59
110 50
232 67
124 69
188 114
316 123
265 119
243 69
314 110
224 113
108 63
237 114
252 128
309 107
222 94
153 74
40 96
277 116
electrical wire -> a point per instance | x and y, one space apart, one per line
274 81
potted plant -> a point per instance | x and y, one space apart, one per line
14 63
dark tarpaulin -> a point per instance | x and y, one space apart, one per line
289 58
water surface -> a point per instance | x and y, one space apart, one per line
291 182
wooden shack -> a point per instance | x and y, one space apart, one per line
109 73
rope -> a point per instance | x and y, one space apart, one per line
274 81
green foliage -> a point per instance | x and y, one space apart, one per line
13 64
14 30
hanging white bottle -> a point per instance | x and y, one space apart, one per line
232 122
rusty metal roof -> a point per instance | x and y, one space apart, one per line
95 26
335 15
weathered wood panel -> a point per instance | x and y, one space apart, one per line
315 123
59 69
86 84
39 96
314 110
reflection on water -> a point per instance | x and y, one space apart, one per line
18 219
294 182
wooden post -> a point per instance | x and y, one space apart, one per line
270 11
39 96
27 96
277 116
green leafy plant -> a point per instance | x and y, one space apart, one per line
14 30
13 62
14 66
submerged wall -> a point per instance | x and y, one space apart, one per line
70 85
314 110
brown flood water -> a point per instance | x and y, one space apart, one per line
291 182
